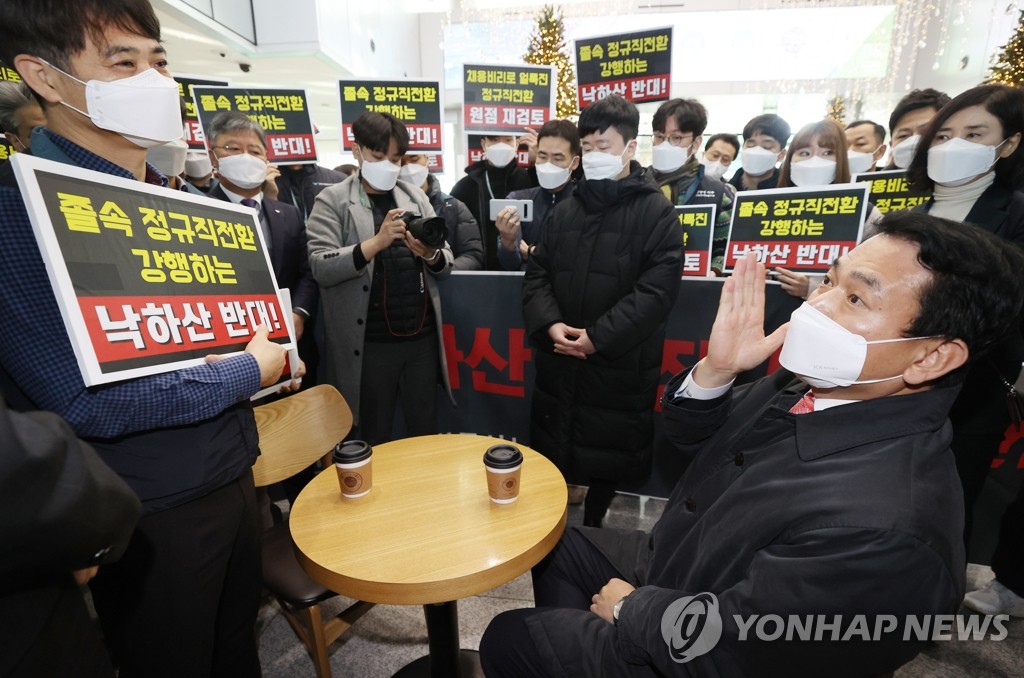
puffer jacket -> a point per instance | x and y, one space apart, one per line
609 262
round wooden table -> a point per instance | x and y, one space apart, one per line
428 534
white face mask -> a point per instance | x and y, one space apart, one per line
169 158
668 158
500 155
815 171
243 170
714 169
551 176
860 162
598 165
414 173
958 161
757 161
382 175
197 164
903 152
824 353
143 109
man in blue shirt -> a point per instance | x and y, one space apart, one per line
183 441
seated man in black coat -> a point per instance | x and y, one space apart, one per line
814 527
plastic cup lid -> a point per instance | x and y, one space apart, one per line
503 456
351 451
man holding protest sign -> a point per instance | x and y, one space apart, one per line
184 440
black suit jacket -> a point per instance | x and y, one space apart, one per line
289 254
981 408
64 510
1001 211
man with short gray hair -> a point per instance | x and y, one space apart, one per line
238 151
20 113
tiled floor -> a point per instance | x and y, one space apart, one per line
389 637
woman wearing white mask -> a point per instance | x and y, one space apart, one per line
381 310
817 156
970 155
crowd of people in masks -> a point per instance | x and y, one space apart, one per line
601 261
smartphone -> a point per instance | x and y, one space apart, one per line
523 207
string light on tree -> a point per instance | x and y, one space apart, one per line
836 109
1008 67
547 47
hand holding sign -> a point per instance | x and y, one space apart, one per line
270 189
530 141
796 284
737 341
269 356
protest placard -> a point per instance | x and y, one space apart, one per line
148 279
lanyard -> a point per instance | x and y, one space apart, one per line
487 180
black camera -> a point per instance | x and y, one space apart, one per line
432 231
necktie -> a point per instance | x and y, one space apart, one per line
804 405
249 202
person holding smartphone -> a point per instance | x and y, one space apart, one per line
558 159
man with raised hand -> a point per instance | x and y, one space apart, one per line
824 492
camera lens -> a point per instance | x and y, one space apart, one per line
432 231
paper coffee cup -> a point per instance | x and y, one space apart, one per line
353 460
503 464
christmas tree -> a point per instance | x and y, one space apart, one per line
1008 67
547 47
836 109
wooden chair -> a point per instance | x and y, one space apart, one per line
295 432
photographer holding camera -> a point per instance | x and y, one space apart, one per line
374 245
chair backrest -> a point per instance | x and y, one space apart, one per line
297 430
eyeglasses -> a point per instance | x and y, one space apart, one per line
674 140
232 149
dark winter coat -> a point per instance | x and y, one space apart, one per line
482 183
609 262
853 510
300 187
463 232
980 409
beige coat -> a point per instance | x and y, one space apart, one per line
342 217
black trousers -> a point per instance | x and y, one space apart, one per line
183 599
563 585
1008 560
973 455
402 371
47 631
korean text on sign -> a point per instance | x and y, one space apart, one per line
803 229
506 98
